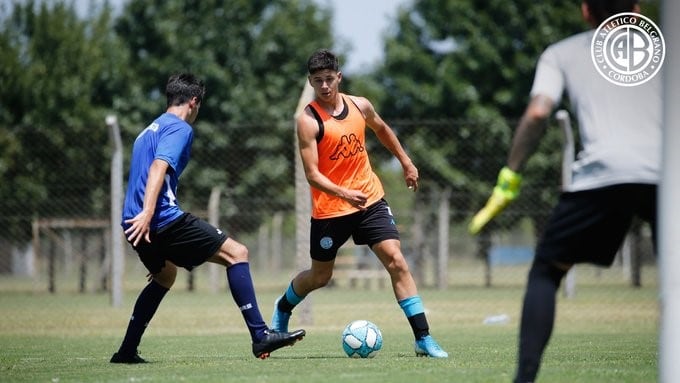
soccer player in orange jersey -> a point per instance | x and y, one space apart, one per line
348 198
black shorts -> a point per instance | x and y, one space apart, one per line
590 226
368 227
187 241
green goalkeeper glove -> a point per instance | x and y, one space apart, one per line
505 191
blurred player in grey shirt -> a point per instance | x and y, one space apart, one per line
614 177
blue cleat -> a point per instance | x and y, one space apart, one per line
279 318
427 346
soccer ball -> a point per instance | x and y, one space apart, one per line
361 339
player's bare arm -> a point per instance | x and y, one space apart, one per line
307 131
141 223
389 140
530 130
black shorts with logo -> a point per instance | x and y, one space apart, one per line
589 226
368 227
187 242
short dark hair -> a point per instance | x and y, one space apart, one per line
600 10
321 60
182 87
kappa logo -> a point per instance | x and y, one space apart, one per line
349 146
628 49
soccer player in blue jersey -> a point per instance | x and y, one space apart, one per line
165 237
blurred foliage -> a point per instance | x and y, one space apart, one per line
474 62
252 56
61 73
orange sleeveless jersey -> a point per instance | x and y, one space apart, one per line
343 160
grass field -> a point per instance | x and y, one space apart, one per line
607 333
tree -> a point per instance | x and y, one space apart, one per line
60 74
473 62
253 56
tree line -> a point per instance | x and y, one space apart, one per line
61 73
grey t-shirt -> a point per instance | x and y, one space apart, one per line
619 127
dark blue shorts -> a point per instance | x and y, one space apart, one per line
187 242
368 227
589 226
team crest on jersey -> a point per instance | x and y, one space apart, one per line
326 243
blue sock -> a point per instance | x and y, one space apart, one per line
412 305
415 313
243 292
145 307
292 297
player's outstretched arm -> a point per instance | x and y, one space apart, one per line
529 132
389 140
505 191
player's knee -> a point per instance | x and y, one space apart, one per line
239 253
321 279
397 265
546 269
166 277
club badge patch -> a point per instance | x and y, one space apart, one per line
326 243
628 49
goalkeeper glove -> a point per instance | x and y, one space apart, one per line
505 191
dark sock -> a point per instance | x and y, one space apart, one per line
289 300
145 307
284 305
538 317
419 325
243 292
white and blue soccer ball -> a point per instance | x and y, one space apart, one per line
361 339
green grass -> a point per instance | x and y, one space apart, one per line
605 334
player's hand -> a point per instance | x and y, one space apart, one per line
140 227
356 198
505 191
411 176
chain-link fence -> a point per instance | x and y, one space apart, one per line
55 226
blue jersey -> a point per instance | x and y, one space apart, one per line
168 138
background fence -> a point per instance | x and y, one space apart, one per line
61 244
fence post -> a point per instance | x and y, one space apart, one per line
418 241
51 269
303 209
82 260
669 208
443 248
105 251
484 253
214 219
564 122
117 260
276 246
263 251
